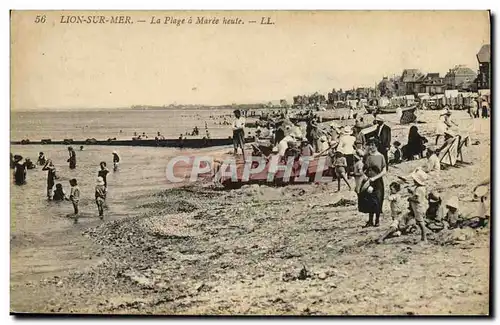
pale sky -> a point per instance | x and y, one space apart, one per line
55 65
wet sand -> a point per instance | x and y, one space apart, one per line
197 250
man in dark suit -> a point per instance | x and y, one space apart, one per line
383 134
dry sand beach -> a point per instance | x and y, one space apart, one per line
294 250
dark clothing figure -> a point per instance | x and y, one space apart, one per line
434 213
415 146
51 177
104 173
72 158
30 164
59 194
20 173
367 202
41 160
384 137
12 162
398 156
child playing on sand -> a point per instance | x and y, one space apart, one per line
74 196
453 217
405 222
340 164
395 200
432 164
396 153
100 196
434 213
358 169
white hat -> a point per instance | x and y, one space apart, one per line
379 118
114 151
347 130
275 149
100 181
481 191
419 176
453 202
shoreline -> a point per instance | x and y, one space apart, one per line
195 250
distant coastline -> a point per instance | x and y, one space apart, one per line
144 108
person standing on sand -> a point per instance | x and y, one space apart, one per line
473 109
74 196
375 162
417 200
444 124
346 147
239 133
103 173
358 169
72 158
100 196
340 164
116 161
384 138
51 177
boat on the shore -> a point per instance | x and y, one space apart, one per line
172 143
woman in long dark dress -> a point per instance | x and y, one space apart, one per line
375 169
19 171
51 177
415 146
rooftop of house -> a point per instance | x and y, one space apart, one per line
411 75
461 70
483 56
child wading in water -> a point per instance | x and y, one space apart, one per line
74 196
340 169
103 173
116 160
59 194
100 196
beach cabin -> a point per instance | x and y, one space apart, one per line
409 100
451 97
424 98
383 102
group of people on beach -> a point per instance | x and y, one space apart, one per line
366 158
55 191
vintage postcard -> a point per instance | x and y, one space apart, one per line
250 162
